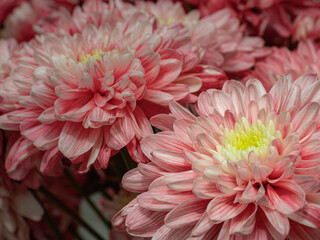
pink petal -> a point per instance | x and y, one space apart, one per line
121 133
165 233
170 160
279 221
178 91
43 95
186 213
163 121
34 210
306 114
148 202
203 226
134 181
214 100
182 181
226 183
180 112
206 141
223 208
205 189
244 223
309 184
44 136
249 194
260 172
298 231
118 220
254 91
283 169
50 160
307 216
76 140
158 97
160 191
162 140
151 170
141 124
180 129
169 71
20 150
144 223
286 196
192 83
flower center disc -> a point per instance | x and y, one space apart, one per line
237 143
95 55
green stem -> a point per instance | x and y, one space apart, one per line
46 217
124 158
70 212
87 198
130 164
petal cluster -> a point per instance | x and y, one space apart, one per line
302 60
85 96
13 210
246 167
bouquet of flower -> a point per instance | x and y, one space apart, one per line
165 120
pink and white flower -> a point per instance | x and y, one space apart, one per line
36 16
7 48
272 19
306 27
302 60
7 6
221 34
88 95
246 168
16 205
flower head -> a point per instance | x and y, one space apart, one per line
13 210
303 60
87 95
246 167
220 34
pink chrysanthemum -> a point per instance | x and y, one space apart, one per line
16 205
272 19
6 48
36 16
306 27
220 33
7 6
246 168
303 60
88 95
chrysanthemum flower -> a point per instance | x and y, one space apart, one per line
16 205
7 6
6 48
272 19
88 95
246 168
35 16
306 27
303 60
220 33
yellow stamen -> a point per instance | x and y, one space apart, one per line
96 55
237 143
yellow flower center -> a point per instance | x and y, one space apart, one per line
237 143
96 55
166 22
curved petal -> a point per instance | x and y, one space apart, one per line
75 140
